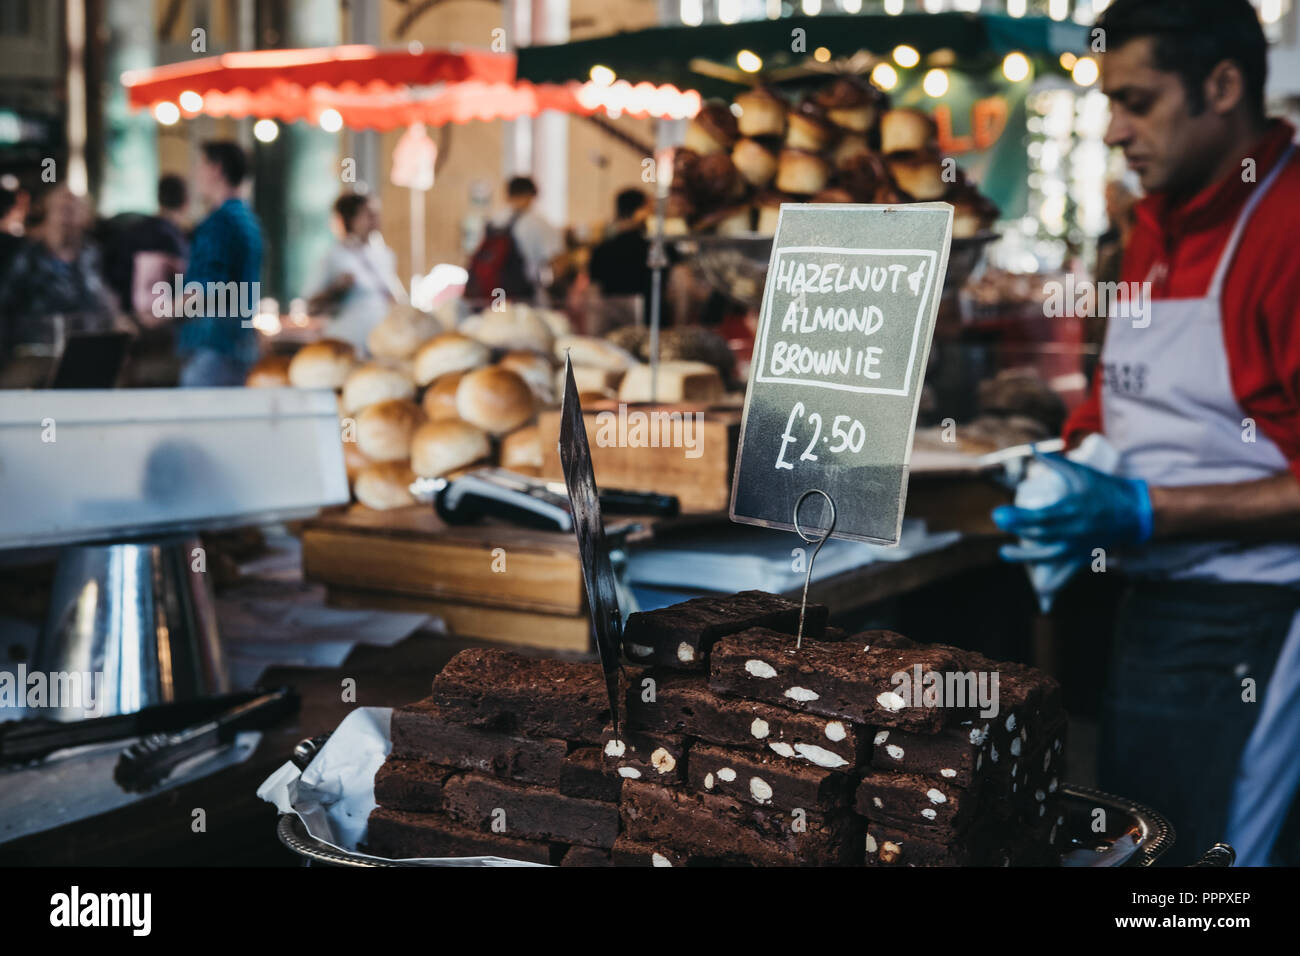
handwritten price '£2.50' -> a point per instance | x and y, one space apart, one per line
850 437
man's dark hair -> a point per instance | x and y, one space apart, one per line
229 155
348 205
629 202
1191 37
521 186
172 192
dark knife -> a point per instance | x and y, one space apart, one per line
593 551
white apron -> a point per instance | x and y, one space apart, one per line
1169 409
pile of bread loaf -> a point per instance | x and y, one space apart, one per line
434 402
841 144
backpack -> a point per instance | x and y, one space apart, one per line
497 263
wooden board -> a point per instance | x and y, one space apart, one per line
411 551
555 632
701 483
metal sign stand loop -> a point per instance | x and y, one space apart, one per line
803 606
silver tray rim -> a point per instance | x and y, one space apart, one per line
1156 835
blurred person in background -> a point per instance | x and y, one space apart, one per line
14 206
52 287
517 252
356 281
620 267
219 349
142 249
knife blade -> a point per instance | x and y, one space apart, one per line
593 550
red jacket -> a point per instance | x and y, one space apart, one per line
1261 294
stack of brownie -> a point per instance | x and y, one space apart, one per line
504 759
734 750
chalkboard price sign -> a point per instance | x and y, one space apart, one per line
843 337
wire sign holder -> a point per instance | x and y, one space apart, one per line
830 528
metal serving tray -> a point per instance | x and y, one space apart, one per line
1135 835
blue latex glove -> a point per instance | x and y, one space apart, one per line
1097 511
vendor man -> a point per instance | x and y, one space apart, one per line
1200 395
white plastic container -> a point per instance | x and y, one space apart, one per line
112 464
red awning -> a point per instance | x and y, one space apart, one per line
384 89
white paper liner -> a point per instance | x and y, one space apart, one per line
333 797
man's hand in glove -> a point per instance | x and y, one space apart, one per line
1097 511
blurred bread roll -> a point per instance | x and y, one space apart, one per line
353 461
521 451
762 113
323 364
401 332
905 130
536 369
588 351
384 429
385 485
517 327
371 383
556 321
439 400
439 448
920 175
448 352
801 173
271 371
495 399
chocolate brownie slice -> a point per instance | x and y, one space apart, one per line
916 802
410 785
423 730
583 774
511 693
872 686
639 756
765 780
400 835
956 754
628 852
586 856
885 845
529 812
718 827
684 704
680 636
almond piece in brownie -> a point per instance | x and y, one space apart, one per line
400 835
916 802
867 684
684 704
414 785
765 780
422 730
527 812
638 756
721 828
680 636
533 696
